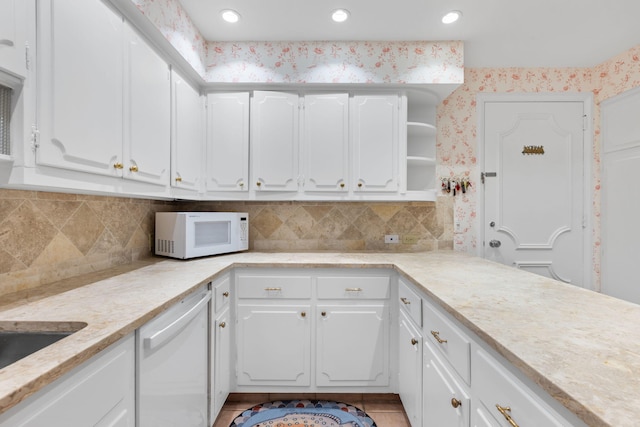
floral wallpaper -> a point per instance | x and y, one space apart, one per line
416 62
176 26
457 127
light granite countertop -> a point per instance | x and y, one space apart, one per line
582 347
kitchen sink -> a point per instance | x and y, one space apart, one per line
20 339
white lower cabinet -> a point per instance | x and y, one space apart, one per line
410 369
504 397
352 345
463 383
221 366
313 329
99 393
274 344
220 363
446 402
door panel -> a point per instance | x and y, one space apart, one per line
228 141
270 348
326 142
80 86
274 124
147 136
534 203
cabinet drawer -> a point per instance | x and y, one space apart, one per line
221 293
275 286
496 386
449 340
359 287
410 302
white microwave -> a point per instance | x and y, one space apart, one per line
195 234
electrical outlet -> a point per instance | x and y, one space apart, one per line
409 239
391 238
457 227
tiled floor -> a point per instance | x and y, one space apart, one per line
385 409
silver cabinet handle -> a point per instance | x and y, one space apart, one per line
405 301
495 243
353 289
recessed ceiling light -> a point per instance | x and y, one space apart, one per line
451 17
230 15
340 15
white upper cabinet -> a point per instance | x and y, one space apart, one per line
375 130
104 95
274 141
325 143
147 113
13 35
227 142
187 135
80 80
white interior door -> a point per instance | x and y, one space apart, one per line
534 213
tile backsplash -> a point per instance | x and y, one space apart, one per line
46 237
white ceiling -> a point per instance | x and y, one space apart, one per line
496 33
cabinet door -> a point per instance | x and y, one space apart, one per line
410 369
13 34
375 124
221 364
147 136
228 141
446 403
80 86
495 386
274 344
187 135
480 416
325 144
352 345
100 392
274 141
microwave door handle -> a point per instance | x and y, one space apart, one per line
175 327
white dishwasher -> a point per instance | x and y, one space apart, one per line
172 361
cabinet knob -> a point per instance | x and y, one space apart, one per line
223 324
303 314
133 168
503 410
455 402
359 184
225 294
342 185
178 179
414 341
241 184
323 314
118 165
258 183
436 335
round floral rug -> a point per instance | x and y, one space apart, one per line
303 413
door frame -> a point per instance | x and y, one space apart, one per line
587 100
